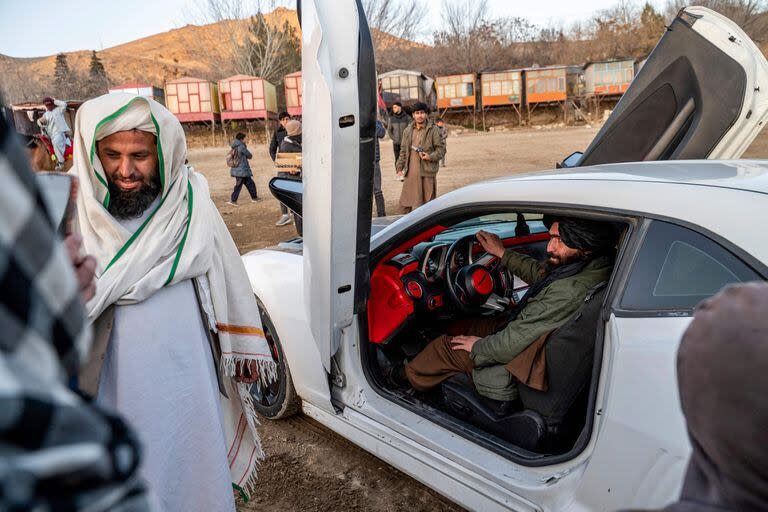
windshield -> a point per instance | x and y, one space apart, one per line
502 224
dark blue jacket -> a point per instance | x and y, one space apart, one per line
244 169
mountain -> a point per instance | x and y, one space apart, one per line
202 51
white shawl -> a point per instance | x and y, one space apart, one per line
183 238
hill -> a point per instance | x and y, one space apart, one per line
196 50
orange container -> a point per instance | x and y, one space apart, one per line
551 84
501 88
456 91
608 78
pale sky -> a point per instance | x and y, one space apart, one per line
31 28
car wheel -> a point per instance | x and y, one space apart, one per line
278 400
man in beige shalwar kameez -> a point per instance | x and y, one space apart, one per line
420 154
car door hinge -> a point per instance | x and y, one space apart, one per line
337 376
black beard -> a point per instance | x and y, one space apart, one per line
129 204
549 265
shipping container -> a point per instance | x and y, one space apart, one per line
294 93
409 87
247 97
140 89
608 78
501 88
552 84
192 99
456 91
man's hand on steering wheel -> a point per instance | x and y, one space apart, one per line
491 243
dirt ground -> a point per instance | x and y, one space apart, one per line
470 158
309 468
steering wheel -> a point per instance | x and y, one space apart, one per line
470 286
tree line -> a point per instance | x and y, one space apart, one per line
471 40
243 38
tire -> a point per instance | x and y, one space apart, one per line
279 400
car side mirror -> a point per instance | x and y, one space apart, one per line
571 160
288 191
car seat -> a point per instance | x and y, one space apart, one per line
539 418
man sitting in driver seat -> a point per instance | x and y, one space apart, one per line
580 256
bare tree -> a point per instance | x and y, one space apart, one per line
468 40
746 13
241 37
394 19
269 50
394 25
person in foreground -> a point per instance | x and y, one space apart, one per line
581 254
59 452
723 400
178 337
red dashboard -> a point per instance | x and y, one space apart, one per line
397 286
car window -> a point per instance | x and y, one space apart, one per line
677 268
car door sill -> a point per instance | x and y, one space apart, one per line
446 477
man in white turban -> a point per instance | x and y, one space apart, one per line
178 337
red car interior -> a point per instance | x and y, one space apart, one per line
395 285
389 303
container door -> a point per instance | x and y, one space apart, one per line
339 81
702 93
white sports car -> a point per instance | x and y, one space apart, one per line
609 432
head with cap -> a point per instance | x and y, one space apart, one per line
420 111
721 373
48 103
573 239
293 128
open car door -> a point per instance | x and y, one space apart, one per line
702 93
339 116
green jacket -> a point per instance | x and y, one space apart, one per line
434 145
550 309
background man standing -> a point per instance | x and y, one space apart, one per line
55 125
378 195
178 336
242 170
398 121
279 135
292 132
291 143
422 149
